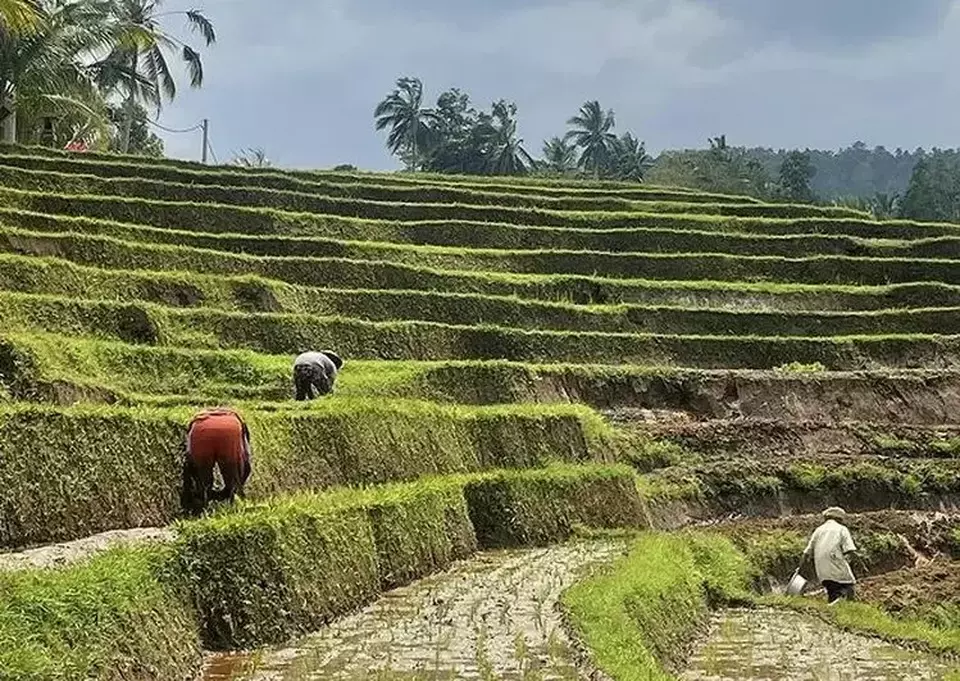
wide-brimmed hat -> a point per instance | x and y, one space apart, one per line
835 513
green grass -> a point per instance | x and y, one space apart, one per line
218 214
70 472
64 369
497 252
639 617
865 618
412 340
510 184
253 196
404 193
314 557
322 234
298 561
762 487
495 272
110 619
38 274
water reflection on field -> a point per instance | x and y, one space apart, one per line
493 617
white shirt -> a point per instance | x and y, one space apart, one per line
828 543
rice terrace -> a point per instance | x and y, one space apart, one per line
582 430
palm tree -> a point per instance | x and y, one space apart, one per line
44 70
631 158
19 16
559 156
884 206
137 65
506 155
592 134
411 126
252 158
718 143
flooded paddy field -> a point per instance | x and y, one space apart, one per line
493 617
777 645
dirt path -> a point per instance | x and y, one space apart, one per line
786 646
56 555
493 617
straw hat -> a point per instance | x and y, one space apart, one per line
835 513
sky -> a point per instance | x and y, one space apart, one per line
302 83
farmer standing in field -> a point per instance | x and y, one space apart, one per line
215 437
831 547
314 374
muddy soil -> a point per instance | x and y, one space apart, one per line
930 587
778 645
493 617
887 397
781 439
929 534
57 555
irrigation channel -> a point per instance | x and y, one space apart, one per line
495 618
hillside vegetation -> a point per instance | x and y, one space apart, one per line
747 357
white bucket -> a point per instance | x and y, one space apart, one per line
796 585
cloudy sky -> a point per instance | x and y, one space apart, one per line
302 82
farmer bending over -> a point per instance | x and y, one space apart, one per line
314 374
215 437
831 547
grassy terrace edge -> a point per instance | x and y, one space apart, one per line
272 333
63 370
649 200
313 557
70 472
320 234
338 272
445 242
248 297
513 184
220 216
43 181
251 293
637 618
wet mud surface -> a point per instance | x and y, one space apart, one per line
493 617
56 555
921 591
776 645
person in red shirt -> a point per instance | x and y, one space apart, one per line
215 437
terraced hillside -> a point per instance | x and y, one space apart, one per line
526 360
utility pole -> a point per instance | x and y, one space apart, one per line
206 137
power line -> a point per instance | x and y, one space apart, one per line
174 131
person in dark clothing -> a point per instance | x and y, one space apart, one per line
314 374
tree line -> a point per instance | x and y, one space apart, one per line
452 136
455 137
86 73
